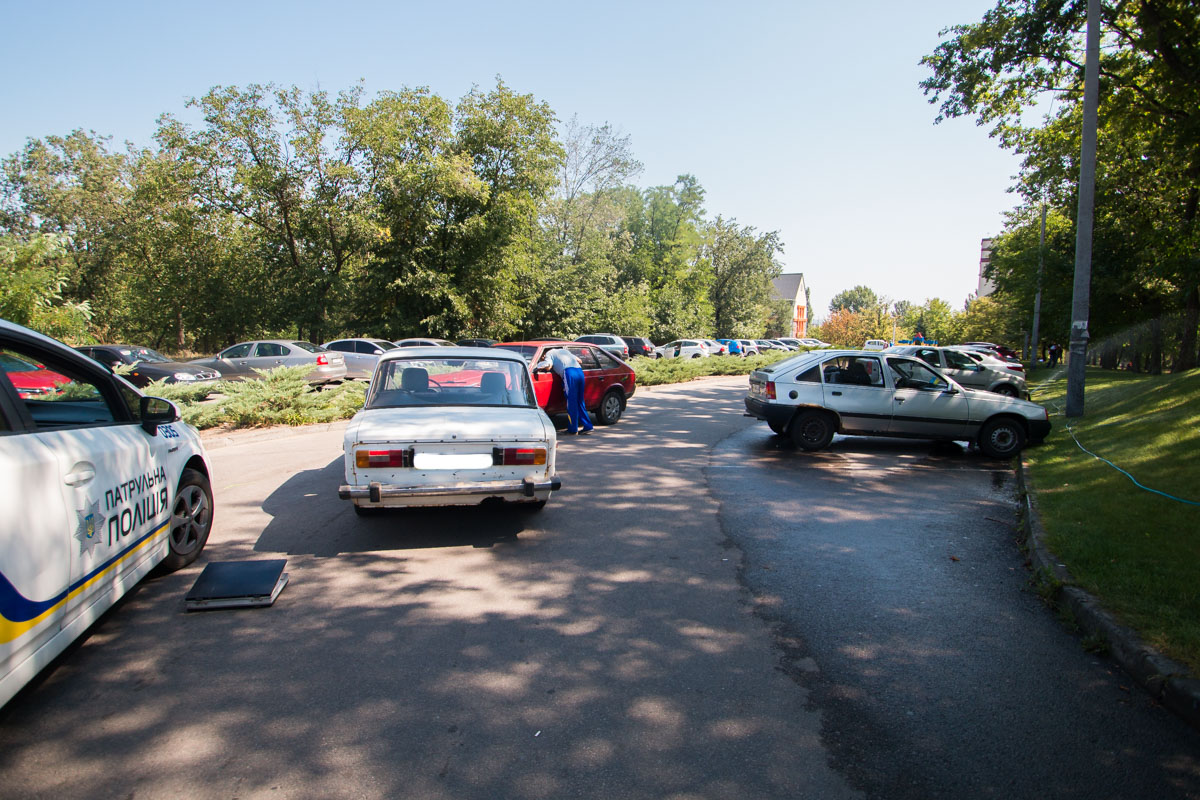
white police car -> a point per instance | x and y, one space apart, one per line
100 485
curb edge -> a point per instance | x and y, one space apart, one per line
1167 681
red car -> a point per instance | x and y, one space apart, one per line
608 381
31 380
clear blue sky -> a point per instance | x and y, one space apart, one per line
801 117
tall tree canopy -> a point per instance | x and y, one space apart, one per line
1148 173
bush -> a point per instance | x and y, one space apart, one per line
655 372
282 396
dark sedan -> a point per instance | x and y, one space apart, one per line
148 365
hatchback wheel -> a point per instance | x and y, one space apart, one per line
1006 389
812 430
1001 438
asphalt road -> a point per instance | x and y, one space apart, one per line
601 648
701 612
891 574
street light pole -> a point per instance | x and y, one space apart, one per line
1076 367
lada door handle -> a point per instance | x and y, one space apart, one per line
837 394
80 476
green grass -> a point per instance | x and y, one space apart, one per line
1137 551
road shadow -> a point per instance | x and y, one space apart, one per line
308 518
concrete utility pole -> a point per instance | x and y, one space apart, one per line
1076 367
1037 301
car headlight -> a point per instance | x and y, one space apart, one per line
184 376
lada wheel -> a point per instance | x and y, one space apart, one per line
812 430
611 408
1001 438
191 520
1006 389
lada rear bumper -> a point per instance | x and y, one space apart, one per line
377 492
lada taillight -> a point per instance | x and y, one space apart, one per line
770 390
518 456
322 360
368 459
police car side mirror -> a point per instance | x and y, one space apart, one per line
155 411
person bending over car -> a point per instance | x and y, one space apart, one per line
567 367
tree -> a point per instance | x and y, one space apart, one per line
743 264
274 158
32 275
71 187
1148 179
857 299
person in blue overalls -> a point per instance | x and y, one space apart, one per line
566 366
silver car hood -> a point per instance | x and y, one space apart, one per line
449 424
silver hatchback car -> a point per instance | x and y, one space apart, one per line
814 395
975 374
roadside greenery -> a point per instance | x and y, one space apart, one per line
272 211
1134 549
658 371
1023 55
281 397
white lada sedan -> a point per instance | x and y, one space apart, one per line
100 486
449 426
814 395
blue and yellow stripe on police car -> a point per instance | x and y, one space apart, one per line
19 615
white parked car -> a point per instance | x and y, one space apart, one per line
447 426
683 348
749 347
814 395
875 344
101 485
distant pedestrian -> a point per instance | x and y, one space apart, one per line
919 338
1055 354
567 367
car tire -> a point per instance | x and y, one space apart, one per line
812 430
695 355
1007 390
1001 438
612 405
191 520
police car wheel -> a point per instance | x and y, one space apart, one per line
191 520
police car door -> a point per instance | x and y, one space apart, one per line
113 482
35 558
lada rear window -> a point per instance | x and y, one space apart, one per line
451 382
